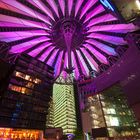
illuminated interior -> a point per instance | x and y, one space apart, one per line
64 108
20 134
113 113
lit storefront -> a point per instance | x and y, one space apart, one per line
20 134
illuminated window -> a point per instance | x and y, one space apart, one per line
19 74
37 81
30 85
111 111
20 89
113 121
14 88
27 77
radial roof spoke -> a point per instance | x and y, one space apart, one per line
62 6
48 6
102 18
57 66
66 9
18 15
78 63
95 11
16 42
89 11
61 14
86 61
43 51
73 9
73 36
93 56
37 12
56 59
92 61
62 61
83 64
54 6
97 49
47 58
87 6
70 4
34 52
36 46
106 43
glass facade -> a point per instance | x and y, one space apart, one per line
110 109
50 116
64 108
25 101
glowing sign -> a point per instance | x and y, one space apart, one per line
107 4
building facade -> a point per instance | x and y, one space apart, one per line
64 108
25 99
110 115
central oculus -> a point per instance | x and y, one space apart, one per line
68 32
68 35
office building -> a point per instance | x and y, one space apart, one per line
26 94
64 108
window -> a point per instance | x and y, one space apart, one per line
111 111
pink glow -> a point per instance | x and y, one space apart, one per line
94 65
105 18
54 6
45 28
70 4
94 12
112 27
10 39
23 22
111 39
103 47
82 64
22 34
46 53
66 60
8 6
125 30
89 4
19 47
39 49
99 56
65 65
64 74
10 24
58 64
50 61
78 5
26 10
19 6
62 6
76 72
41 6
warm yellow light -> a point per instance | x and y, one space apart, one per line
27 77
138 4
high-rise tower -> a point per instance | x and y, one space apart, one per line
64 108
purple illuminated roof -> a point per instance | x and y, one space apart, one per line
79 34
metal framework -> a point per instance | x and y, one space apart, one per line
76 36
